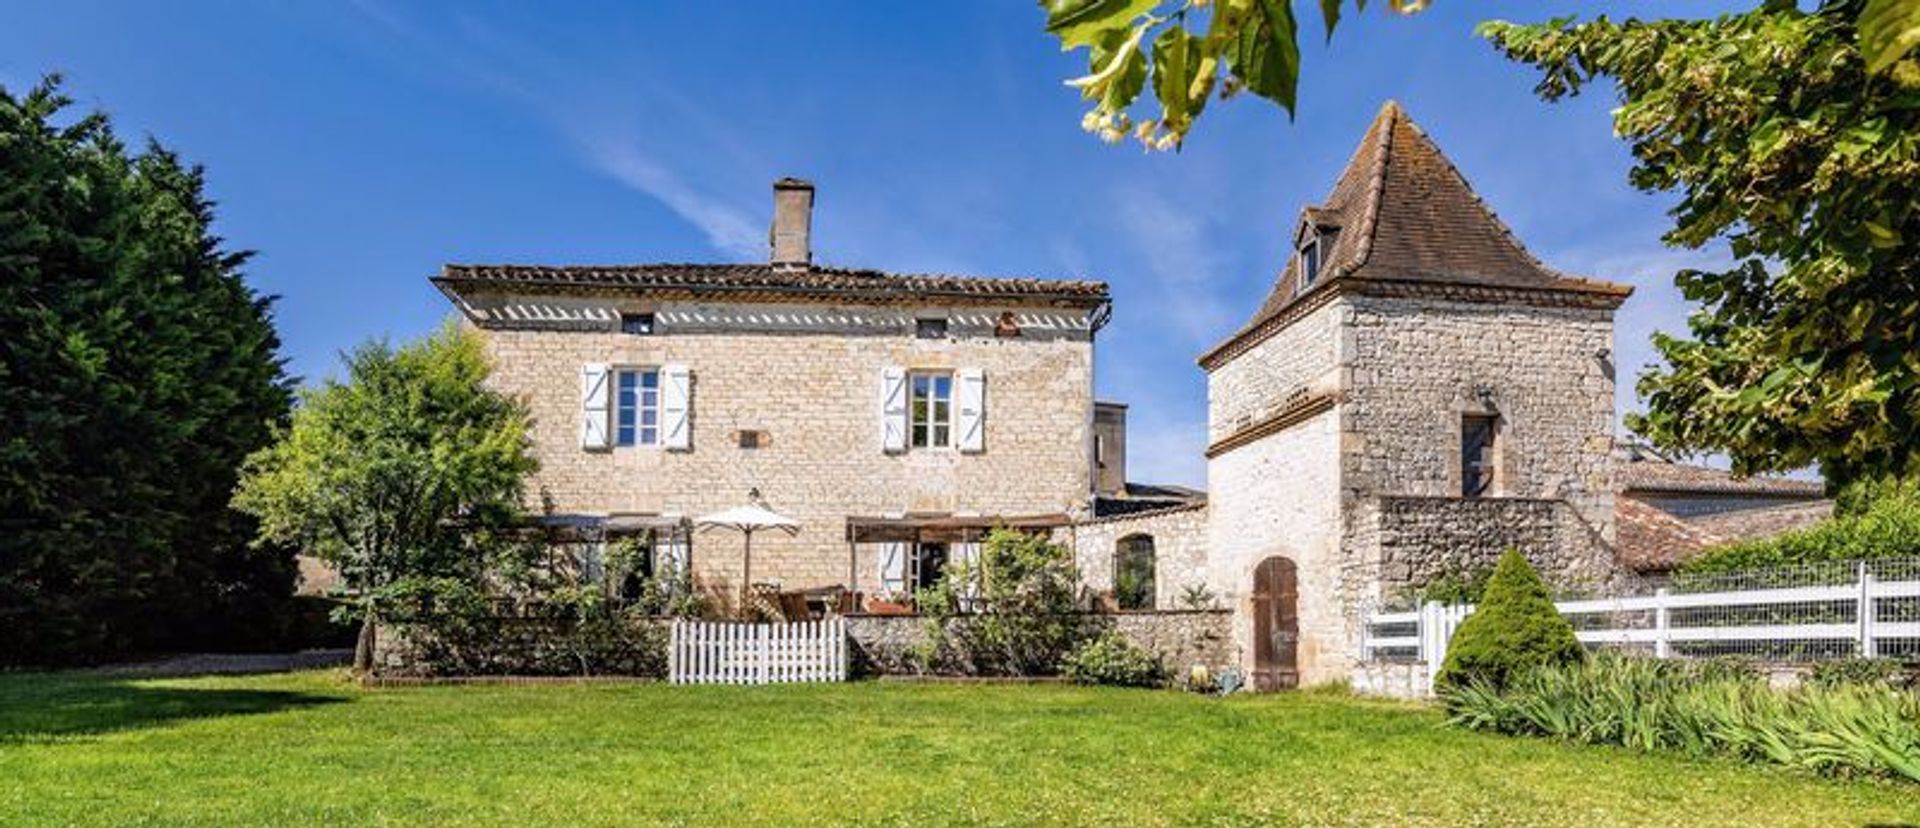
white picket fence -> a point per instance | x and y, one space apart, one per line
719 652
1867 617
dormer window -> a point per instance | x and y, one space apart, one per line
1310 260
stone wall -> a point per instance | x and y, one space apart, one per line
1394 680
808 377
1259 382
1416 366
1416 539
1179 550
1279 496
521 647
881 644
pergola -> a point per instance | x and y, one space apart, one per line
934 528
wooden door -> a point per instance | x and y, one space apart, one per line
1276 625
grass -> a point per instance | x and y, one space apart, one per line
307 748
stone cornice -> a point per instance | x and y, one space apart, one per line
1294 414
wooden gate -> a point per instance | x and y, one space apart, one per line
710 652
1276 625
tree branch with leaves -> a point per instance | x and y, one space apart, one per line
1191 51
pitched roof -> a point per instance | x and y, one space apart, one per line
1647 473
751 280
1765 522
1401 213
1649 539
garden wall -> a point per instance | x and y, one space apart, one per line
882 644
523 647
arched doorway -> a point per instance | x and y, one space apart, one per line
1276 625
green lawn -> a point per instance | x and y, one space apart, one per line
307 748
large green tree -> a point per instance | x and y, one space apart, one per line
1179 53
389 474
137 368
1782 142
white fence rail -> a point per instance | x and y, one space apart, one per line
714 652
1867 617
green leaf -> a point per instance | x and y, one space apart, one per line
1264 54
1082 22
1175 57
1330 14
1888 30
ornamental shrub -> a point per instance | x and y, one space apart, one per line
1515 627
1113 660
1012 613
1644 704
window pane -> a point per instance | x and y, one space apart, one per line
943 387
649 417
650 379
940 436
649 436
623 408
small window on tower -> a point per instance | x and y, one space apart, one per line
636 323
1477 454
1310 261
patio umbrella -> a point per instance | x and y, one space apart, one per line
747 520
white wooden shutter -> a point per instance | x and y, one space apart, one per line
893 409
969 554
595 396
970 399
893 566
673 556
676 407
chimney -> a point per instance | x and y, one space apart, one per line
1109 449
791 235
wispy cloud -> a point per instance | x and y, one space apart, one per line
728 229
526 76
1183 266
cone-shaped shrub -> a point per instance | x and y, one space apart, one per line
1515 627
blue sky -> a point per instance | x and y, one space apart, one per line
359 145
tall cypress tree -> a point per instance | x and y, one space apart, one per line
137 369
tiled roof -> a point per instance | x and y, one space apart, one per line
1143 499
1646 474
1749 524
768 279
1649 539
1402 213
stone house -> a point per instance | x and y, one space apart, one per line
1417 394
896 417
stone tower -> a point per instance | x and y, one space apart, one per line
1416 394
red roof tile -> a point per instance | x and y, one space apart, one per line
848 283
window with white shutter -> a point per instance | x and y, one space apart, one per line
595 398
676 407
893 409
893 567
970 401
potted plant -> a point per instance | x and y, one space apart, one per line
889 603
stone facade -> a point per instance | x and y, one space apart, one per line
1179 550
806 379
1415 539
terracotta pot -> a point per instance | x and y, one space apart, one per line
877 606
